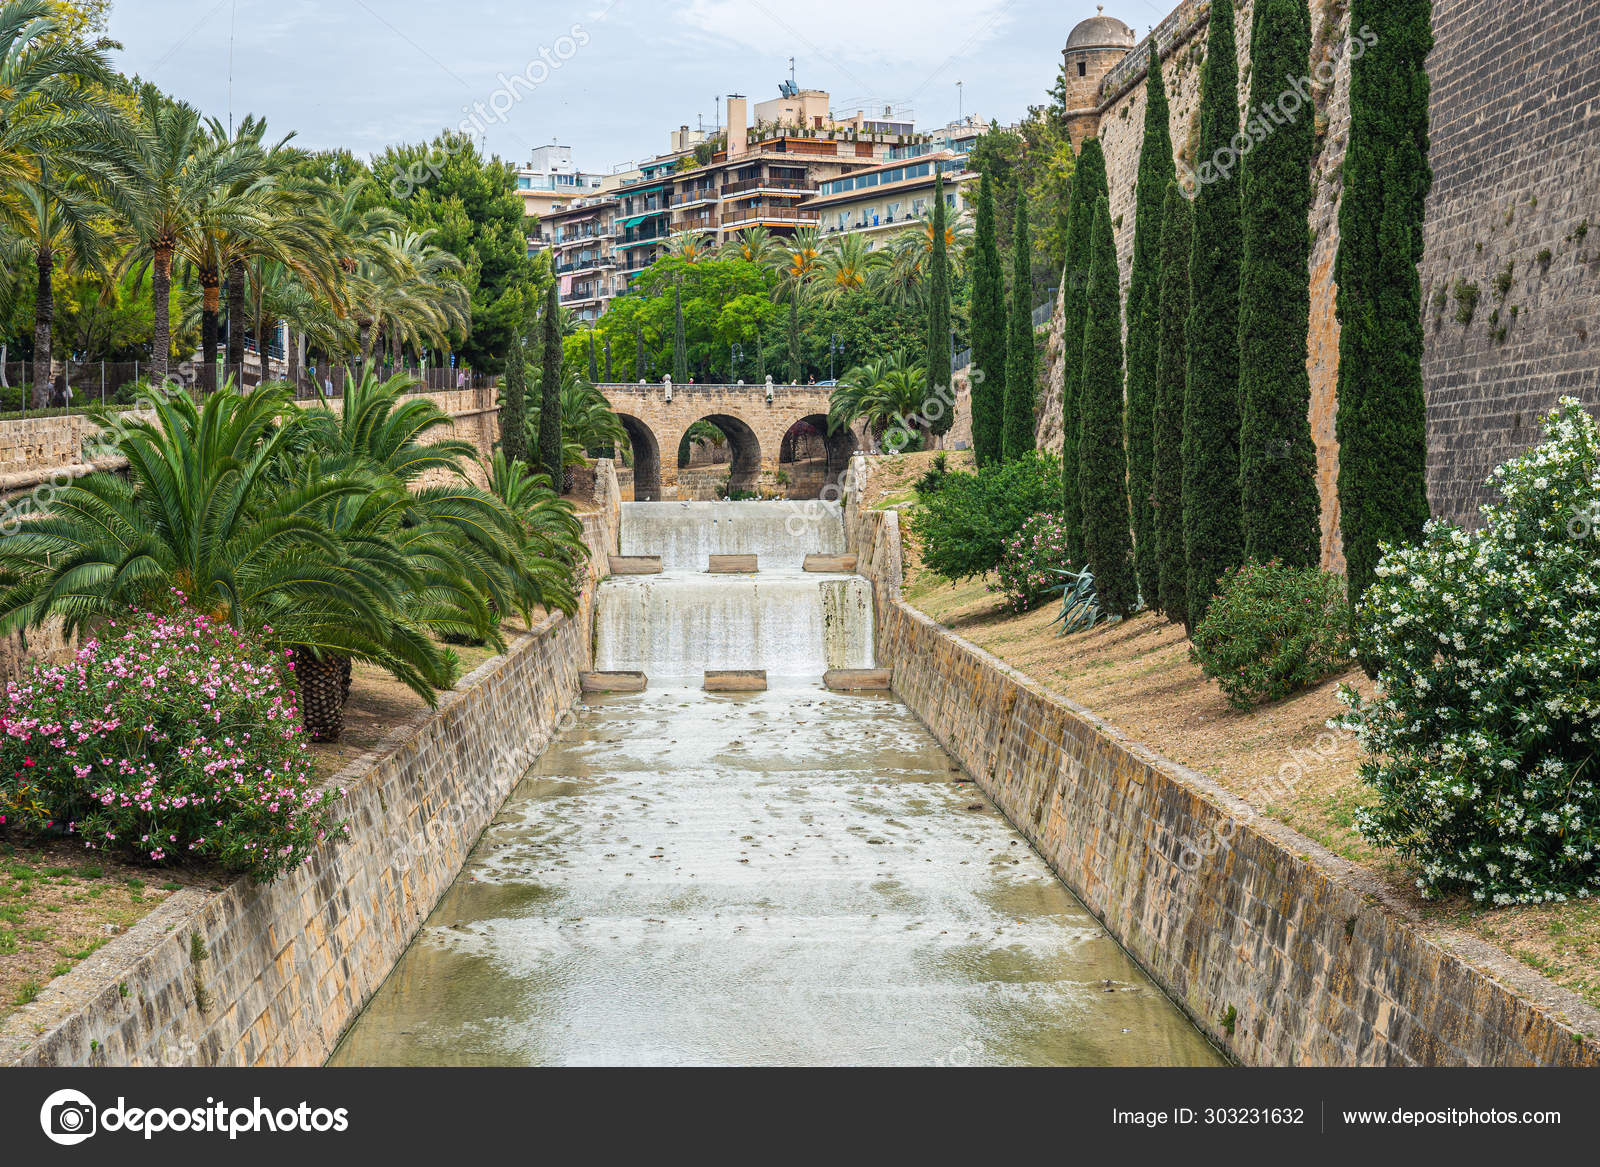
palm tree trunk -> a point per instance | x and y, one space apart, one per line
324 686
236 321
210 305
161 301
291 356
43 318
364 334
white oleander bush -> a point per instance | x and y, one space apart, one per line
1483 738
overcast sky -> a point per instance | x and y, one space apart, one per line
613 76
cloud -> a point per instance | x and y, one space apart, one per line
924 35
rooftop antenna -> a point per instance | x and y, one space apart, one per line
716 112
791 70
959 107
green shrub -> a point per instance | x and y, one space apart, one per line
1031 568
1483 745
966 526
1271 631
933 478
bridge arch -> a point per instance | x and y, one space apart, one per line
744 448
813 458
646 458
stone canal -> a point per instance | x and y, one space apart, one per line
789 877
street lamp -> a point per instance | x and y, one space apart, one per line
834 348
735 355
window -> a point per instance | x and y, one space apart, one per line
1083 68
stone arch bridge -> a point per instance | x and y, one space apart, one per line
778 444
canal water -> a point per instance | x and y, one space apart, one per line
792 877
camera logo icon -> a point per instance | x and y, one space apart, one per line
68 1117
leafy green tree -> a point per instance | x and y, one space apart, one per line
1382 423
1021 376
988 333
1156 171
938 406
1171 312
1102 457
550 449
1088 187
1213 529
1277 459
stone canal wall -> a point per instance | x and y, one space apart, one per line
271 975
1281 952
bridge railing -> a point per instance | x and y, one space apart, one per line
687 386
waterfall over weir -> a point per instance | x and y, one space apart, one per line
790 622
684 534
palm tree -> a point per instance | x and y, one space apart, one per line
205 518
755 245
846 266
886 394
900 280
409 291
690 246
797 265
63 146
552 533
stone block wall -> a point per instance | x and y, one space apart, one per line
1514 211
1280 952
271 975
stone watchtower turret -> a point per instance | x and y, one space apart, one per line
1092 49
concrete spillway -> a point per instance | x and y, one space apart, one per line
790 622
686 534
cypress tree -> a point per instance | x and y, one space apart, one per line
608 358
1088 187
1277 459
938 409
514 400
988 333
1156 171
1382 425
594 370
1021 391
795 369
1102 458
1171 318
680 352
550 395
1213 534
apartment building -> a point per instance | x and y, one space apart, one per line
550 180
581 239
883 200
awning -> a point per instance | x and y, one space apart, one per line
634 221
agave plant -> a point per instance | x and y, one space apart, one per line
1080 603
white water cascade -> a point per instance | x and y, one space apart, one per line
790 622
684 534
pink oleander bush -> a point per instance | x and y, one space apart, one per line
171 738
1028 569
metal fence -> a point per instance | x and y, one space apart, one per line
83 384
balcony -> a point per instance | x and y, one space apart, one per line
699 221
695 197
768 213
590 262
783 186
